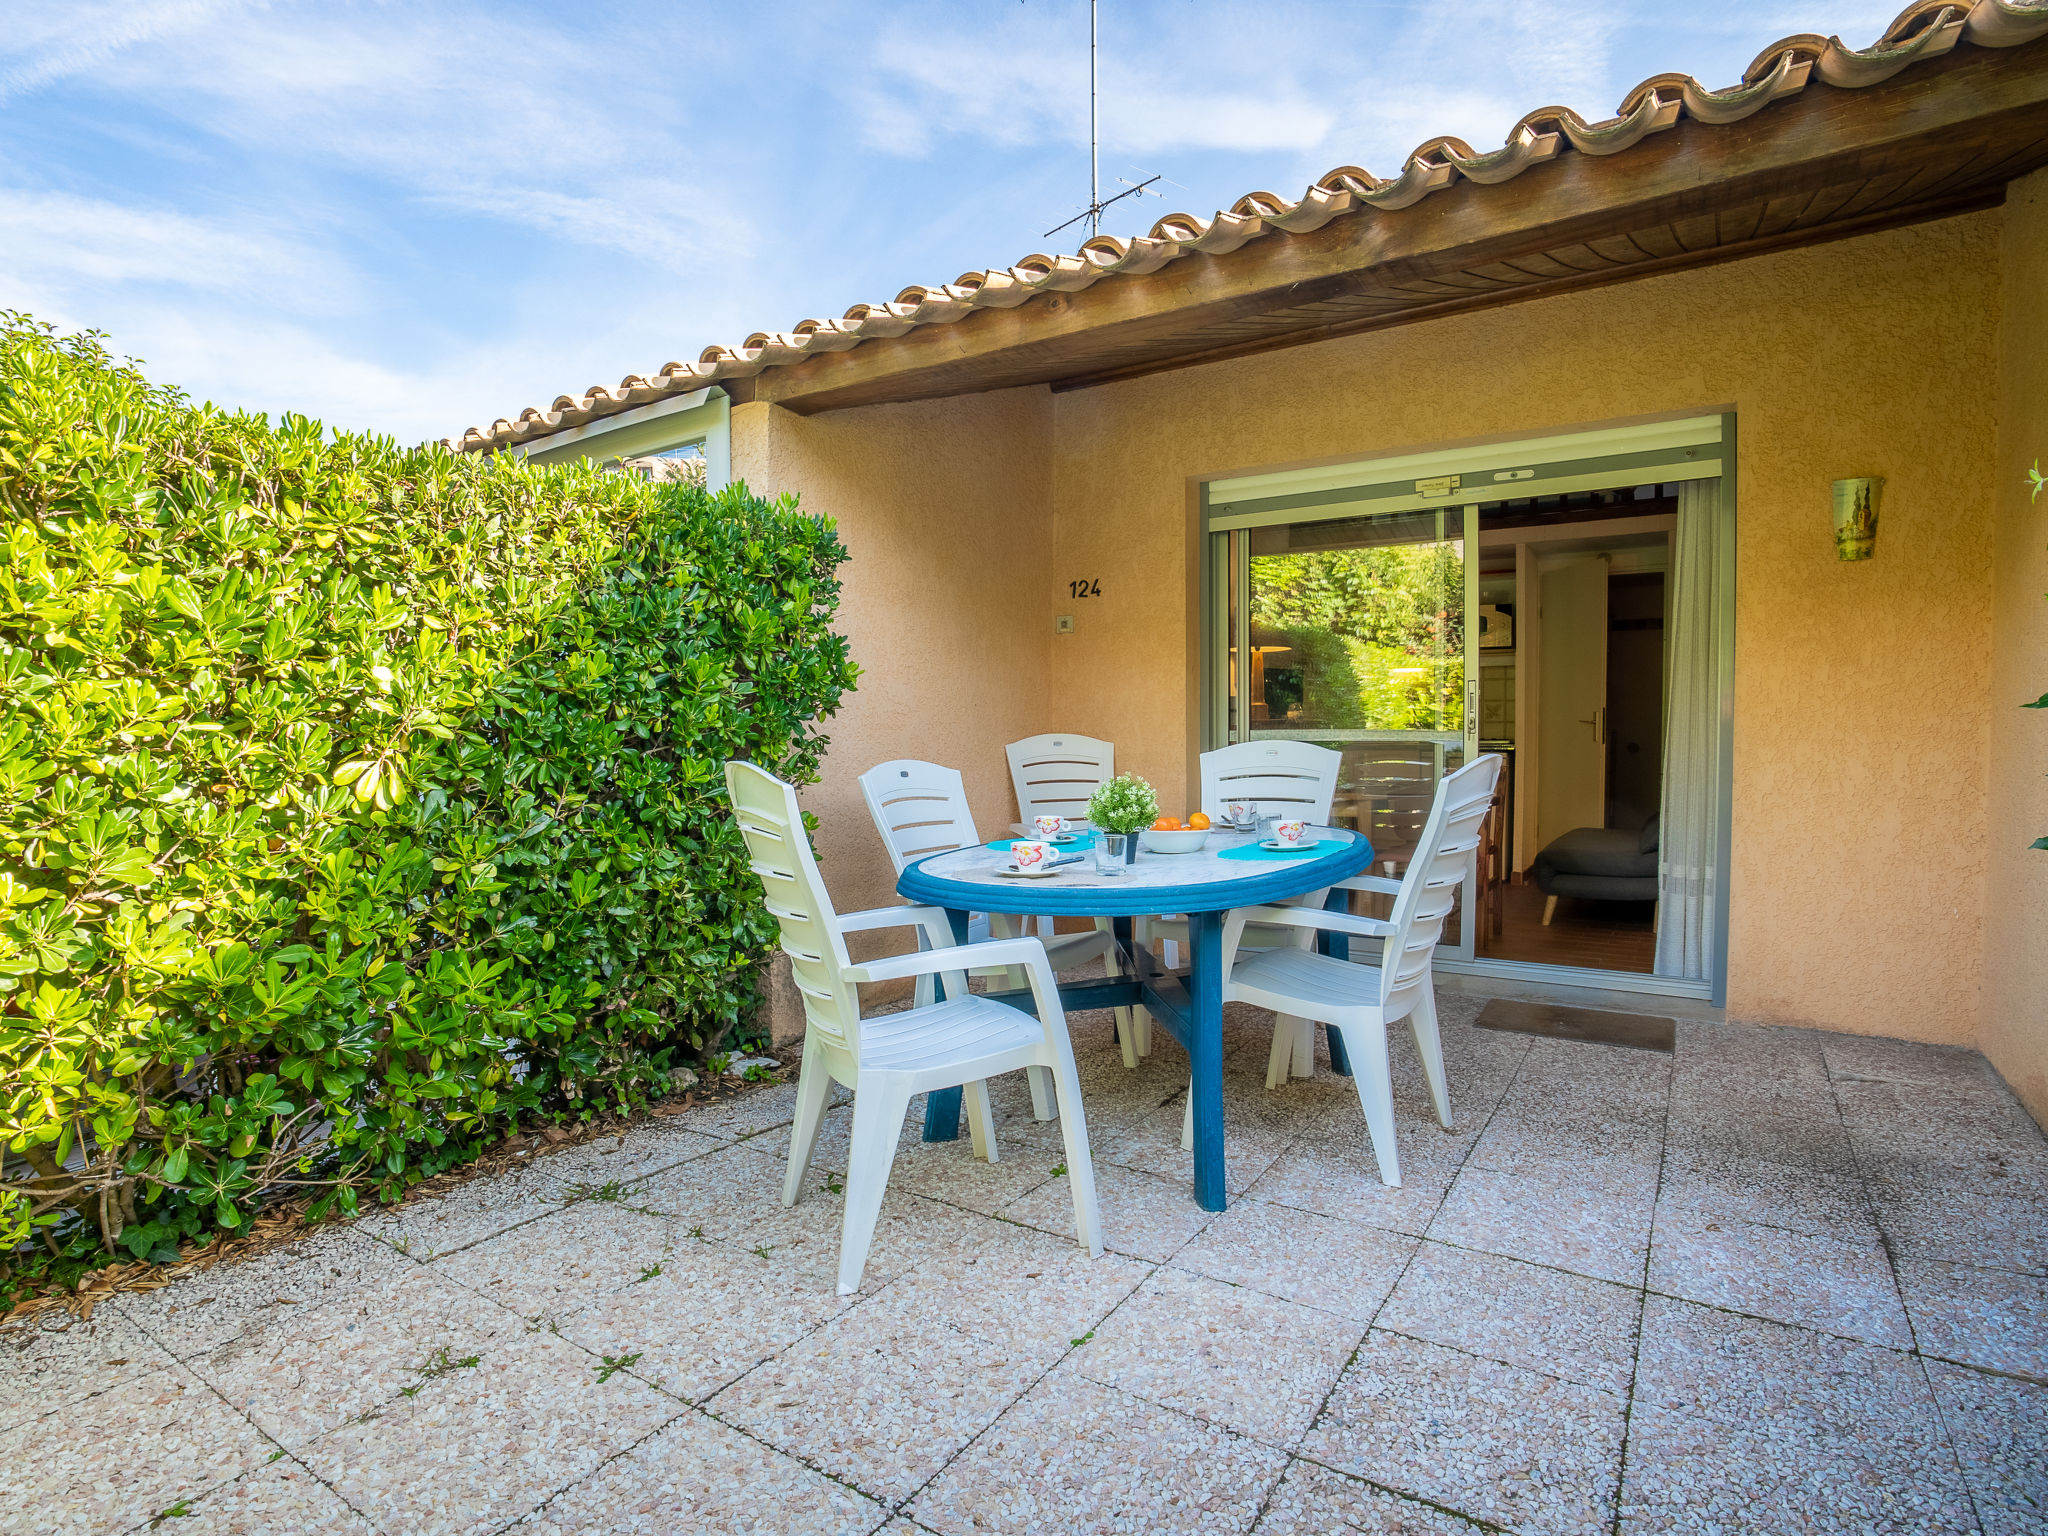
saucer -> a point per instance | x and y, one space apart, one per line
1011 872
1276 846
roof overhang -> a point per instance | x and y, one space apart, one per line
1942 138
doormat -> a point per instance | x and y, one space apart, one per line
1639 1031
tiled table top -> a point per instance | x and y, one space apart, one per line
1781 1280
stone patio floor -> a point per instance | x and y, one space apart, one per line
1779 1281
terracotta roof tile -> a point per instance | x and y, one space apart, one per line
1924 30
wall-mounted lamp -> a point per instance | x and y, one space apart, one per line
1856 517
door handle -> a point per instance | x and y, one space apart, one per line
1599 724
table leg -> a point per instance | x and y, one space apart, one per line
1339 946
1205 990
942 1105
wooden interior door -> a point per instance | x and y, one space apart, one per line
1571 740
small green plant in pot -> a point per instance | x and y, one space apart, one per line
1120 809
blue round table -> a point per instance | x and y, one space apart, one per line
1187 1004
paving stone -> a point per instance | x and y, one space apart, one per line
1523 1314
1337 1266
949 1171
726 1192
1027 1293
645 1148
704 1478
1906 1061
568 1259
201 1311
1308 1177
2000 1429
1078 1457
427 1226
711 1315
54 1359
882 1396
1608 1156
1143 1215
1233 1356
1987 1317
1764 1194
278 1496
1504 1444
1314 1501
1963 1226
1805 1134
1792 1277
1757 1426
1153 1146
478 1447
304 1373
1549 1220
1429 1155
746 1114
170 1440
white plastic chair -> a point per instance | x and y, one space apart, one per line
887 1060
921 808
1283 778
1360 1001
1057 775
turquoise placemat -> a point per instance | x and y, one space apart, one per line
1081 840
1254 851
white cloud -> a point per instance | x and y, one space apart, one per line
45 43
67 244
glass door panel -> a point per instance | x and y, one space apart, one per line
1352 632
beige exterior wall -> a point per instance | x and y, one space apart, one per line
1880 768
1863 709
945 508
2015 1032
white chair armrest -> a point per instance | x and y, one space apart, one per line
938 930
927 962
1318 919
1383 886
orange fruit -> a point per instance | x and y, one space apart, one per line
1166 824
1199 822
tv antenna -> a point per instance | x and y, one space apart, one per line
1093 212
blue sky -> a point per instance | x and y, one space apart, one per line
417 217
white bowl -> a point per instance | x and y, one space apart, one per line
1172 842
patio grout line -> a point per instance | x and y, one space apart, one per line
1635 1364
1891 1256
1365 1336
940 1471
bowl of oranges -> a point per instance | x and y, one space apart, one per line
1169 834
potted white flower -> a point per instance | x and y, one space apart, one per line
1121 809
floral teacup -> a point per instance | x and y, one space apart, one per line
1290 834
1241 813
1048 827
1028 854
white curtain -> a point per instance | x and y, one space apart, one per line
1688 820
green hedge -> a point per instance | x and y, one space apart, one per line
357 801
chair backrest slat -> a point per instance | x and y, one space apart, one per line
1430 887
794 893
919 808
1283 778
1057 775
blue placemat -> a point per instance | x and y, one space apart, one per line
1081 840
1254 851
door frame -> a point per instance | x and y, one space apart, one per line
1662 449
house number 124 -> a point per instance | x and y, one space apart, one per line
1085 588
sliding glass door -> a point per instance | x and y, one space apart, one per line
1355 633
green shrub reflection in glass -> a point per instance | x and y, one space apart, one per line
357 802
